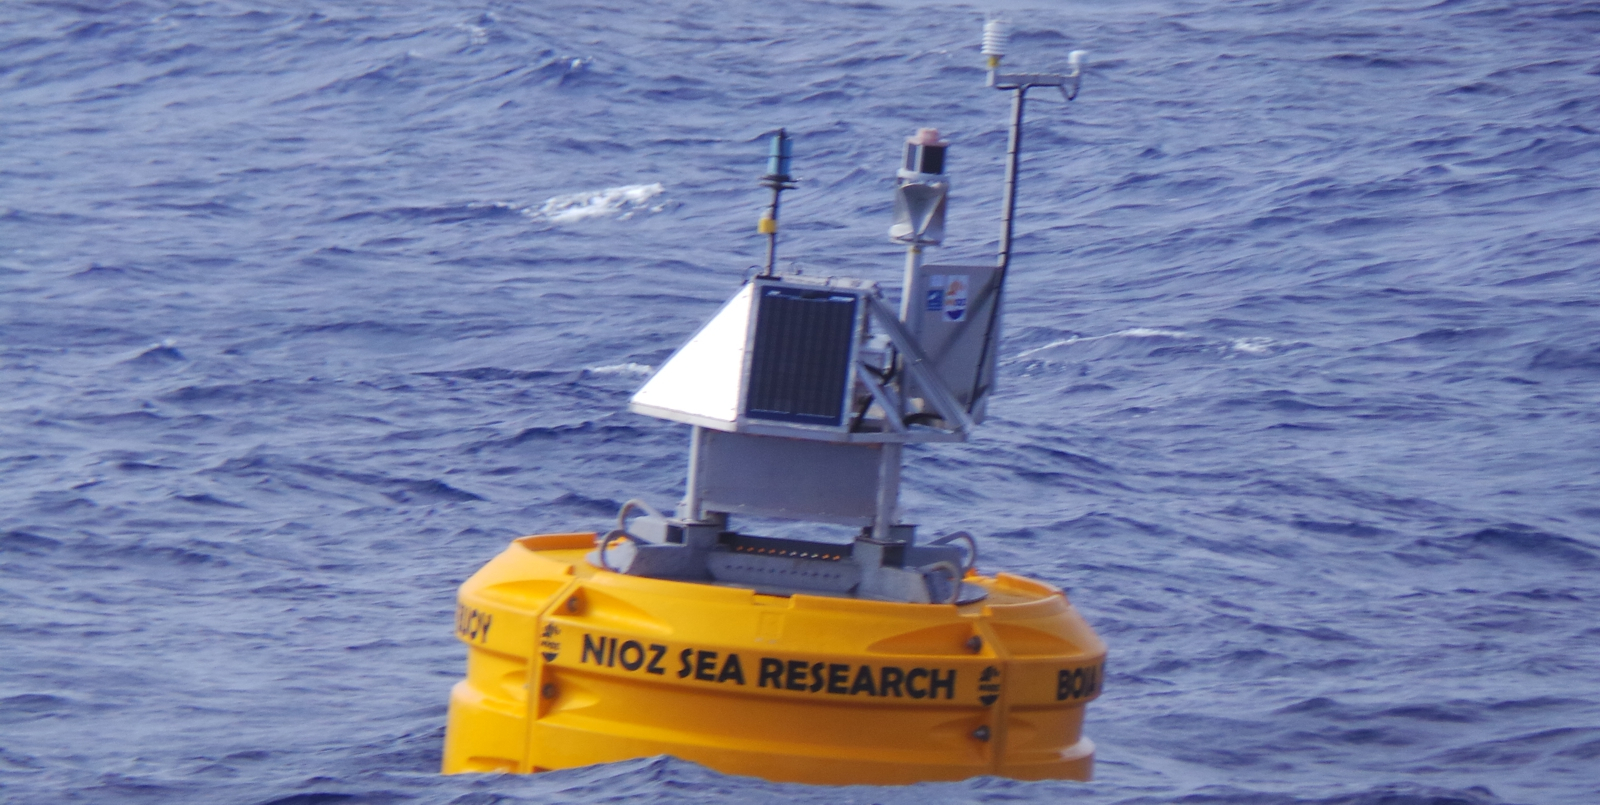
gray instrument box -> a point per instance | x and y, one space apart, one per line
800 479
952 316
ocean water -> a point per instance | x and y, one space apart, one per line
308 307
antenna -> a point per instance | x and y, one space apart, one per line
777 178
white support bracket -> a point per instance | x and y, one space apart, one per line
916 364
886 399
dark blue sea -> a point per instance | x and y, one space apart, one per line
308 307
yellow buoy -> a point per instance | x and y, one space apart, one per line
883 660
570 664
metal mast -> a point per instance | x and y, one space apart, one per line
779 180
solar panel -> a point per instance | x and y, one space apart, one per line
800 357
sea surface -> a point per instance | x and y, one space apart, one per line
307 308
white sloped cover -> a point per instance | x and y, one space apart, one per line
701 382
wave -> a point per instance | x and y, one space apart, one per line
1149 340
163 354
1515 542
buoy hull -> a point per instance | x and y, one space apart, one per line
569 665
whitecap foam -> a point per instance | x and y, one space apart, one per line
476 34
1061 342
1133 332
620 202
635 369
1150 332
1253 346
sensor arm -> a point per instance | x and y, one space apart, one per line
994 45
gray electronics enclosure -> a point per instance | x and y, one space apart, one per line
800 479
952 315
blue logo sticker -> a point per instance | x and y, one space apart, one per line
955 297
